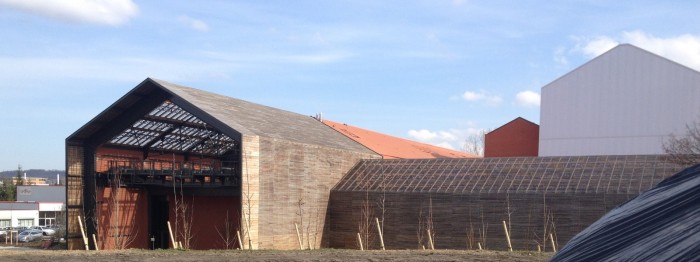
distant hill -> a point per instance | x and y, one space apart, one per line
50 174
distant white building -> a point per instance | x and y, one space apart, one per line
19 214
35 205
625 101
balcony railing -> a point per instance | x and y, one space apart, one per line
165 173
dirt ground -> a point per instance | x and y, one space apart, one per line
29 254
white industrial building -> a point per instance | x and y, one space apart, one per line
35 205
14 214
626 101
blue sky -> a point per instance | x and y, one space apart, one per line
431 71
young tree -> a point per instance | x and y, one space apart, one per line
227 232
684 149
474 143
20 179
119 216
8 191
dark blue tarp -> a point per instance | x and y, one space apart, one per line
662 224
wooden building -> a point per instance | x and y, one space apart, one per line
211 165
518 137
207 164
465 201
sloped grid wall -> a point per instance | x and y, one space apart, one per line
558 175
470 198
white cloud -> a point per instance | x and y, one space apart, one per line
195 24
684 49
482 96
527 99
103 12
472 96
598 46
560 56
454 139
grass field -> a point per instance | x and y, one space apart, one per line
29 254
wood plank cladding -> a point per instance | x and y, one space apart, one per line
294 187
469 198
74 194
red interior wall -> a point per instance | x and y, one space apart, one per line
208 216
132 220
209 213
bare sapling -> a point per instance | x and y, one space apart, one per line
470 233
300 215
509 212
122 230
186 223
684 149
247 204
482 231
429 226
310 221
318 227
381 203
548 228
365 221
421 227
553 232
470 236
430 241
308 230
227 232
183 211
507 226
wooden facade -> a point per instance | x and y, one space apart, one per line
163 144
467 200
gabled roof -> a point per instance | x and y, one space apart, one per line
618 53
230 117
391 147
517 119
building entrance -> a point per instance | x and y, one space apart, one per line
158 219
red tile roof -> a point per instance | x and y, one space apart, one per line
391 147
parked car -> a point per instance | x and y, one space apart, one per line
47 231
30 235
20 229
